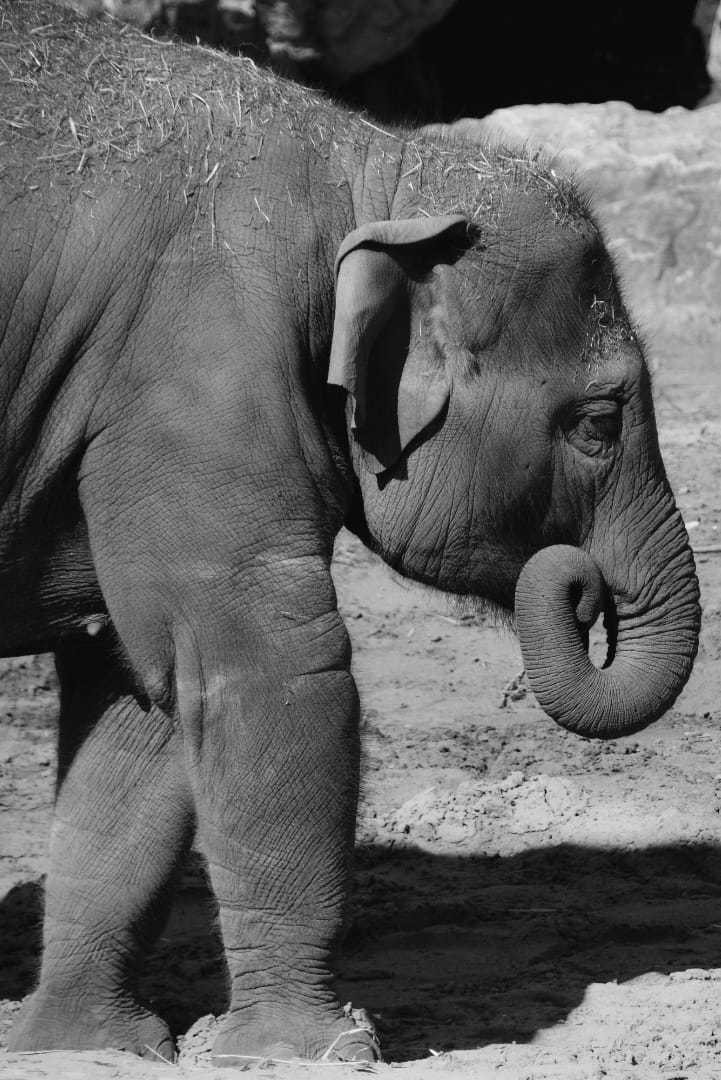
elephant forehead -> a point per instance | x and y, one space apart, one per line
551 288
531 235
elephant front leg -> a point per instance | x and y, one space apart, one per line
276 799
216 573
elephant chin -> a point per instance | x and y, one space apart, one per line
560 593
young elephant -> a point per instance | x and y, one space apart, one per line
234 318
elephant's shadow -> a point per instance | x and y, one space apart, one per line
452 951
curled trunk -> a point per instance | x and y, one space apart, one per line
652 642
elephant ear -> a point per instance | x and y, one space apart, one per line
379 354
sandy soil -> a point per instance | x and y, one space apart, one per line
528 905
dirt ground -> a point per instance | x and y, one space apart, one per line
528 904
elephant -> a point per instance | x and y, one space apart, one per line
236 317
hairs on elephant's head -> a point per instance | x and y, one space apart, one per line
477 179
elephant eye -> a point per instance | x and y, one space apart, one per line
604 425
596 426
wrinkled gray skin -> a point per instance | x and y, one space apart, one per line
234 318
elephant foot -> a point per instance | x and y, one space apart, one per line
358 1042
52 1022
240 1039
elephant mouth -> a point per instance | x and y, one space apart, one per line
604 609
610 626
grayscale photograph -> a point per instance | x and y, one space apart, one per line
360 540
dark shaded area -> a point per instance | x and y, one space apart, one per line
452 951
458 952
485 56
21 938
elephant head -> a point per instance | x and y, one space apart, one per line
503 436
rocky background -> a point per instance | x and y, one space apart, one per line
420 60
627 95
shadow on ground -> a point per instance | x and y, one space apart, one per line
452 951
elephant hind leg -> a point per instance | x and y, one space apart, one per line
122 822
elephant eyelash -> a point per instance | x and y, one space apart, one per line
595 407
